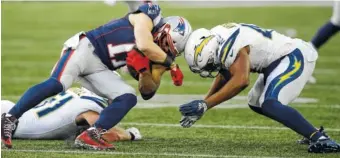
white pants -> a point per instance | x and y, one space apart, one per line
336 13
78 62
286 81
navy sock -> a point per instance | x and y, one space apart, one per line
324 33
290 118
115 112
256 109
35 95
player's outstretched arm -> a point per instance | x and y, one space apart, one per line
218 83
239 80
144 39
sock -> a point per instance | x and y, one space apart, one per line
324 33
290 118
35 95
115 112
256 109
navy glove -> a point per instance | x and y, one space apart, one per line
191 112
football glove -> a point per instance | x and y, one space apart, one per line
176 75
188 121
136 60
191 112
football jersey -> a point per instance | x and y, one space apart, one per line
266 46
113 40
55 117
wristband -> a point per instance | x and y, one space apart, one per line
167 62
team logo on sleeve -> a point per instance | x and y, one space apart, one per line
153 9
180 28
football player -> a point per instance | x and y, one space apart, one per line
91 56
65 115
327 31
233 51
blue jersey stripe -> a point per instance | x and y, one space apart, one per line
100 102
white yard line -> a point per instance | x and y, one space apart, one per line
180 98
217 126
137 153
164 100
230 106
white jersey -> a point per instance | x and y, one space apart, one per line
266 46
55 117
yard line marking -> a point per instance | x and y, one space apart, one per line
161 100
152 105
217 126
180 98
136 153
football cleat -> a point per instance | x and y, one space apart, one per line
91 139
306 141
135 134
324 145
8 125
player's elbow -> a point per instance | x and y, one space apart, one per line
147 96
147 92
146 89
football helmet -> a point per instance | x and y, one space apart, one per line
173 35
200 53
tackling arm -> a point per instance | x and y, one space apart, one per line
144 39
239 80
219 82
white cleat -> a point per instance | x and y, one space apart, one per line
135 132
312 80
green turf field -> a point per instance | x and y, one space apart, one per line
33 34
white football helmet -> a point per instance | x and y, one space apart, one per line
201 52
173 35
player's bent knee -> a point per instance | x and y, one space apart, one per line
122 90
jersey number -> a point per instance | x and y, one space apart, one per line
264 32
52 104
118 53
